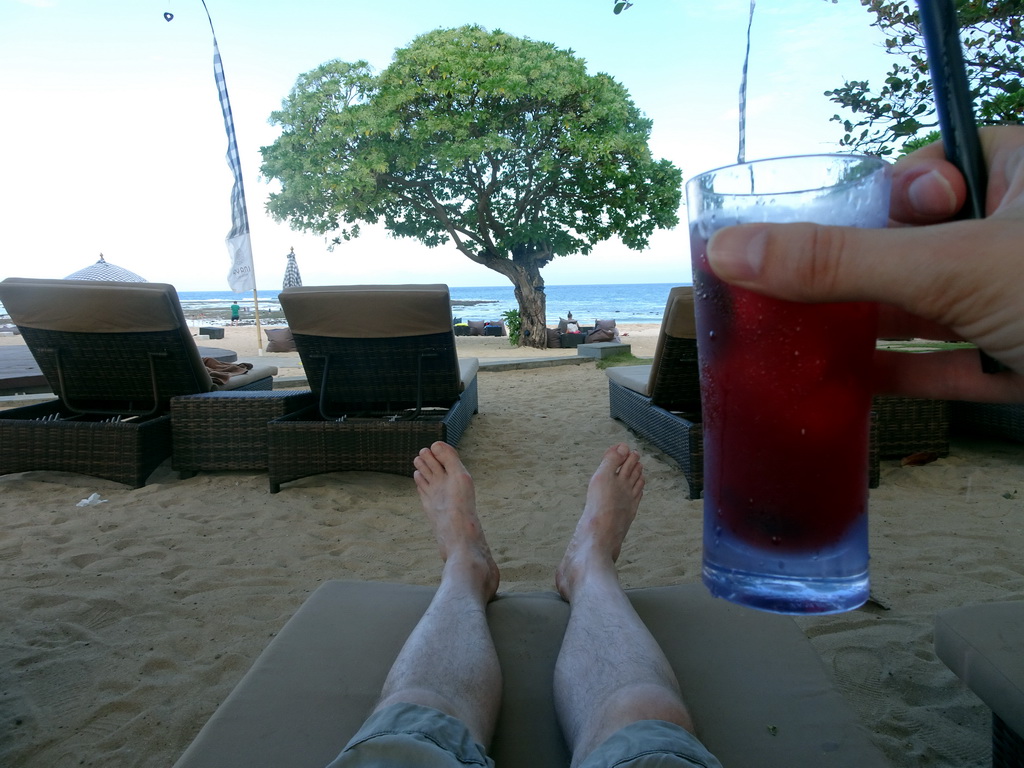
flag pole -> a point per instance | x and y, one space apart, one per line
256 313
242 276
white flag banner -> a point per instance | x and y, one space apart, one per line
242 276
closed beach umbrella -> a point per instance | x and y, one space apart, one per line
104 270
292 278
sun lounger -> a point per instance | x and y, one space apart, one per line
382 363
984 645
757 690
115 354
661 401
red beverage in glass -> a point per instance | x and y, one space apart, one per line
785 410
785 396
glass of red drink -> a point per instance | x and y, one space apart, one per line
785 394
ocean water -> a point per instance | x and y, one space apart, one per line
624 303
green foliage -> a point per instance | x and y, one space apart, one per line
503 146
903 108
621 358
515 325
919 141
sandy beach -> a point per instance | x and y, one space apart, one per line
126 623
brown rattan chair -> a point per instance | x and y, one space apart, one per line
983 644
382 363
909 425
114 354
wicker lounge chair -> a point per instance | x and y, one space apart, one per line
382 363
114 354
908 425
661 401
1000 420
756 688
984 645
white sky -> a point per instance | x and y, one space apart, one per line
113 140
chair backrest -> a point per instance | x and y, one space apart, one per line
107 346
375 348
675 374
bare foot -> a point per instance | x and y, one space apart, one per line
449 499
613 498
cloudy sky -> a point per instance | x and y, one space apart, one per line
113 140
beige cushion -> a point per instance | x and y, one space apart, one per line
758 691
634 377
679 322
367 311
97 306
984 645
468 368
280 340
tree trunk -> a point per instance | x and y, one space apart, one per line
529 291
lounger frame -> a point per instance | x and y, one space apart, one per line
304 443
33 438
678 435
219 431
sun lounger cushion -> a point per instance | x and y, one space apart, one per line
317 313
368 311
81 312
634 377
468 368
984 645
757 689
679 322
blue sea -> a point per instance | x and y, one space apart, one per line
625 303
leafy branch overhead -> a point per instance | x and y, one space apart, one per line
903 107
503 147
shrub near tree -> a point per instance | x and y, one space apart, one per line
504 147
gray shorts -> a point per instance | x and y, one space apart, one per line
421 737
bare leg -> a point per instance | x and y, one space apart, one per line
449 662
610 671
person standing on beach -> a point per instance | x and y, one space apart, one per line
616 696
234 313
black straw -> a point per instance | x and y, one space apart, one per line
955 109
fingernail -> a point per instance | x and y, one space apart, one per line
737 253
932 195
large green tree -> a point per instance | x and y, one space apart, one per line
502 146
902 109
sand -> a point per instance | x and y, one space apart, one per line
126 623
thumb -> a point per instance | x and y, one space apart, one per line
909 268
